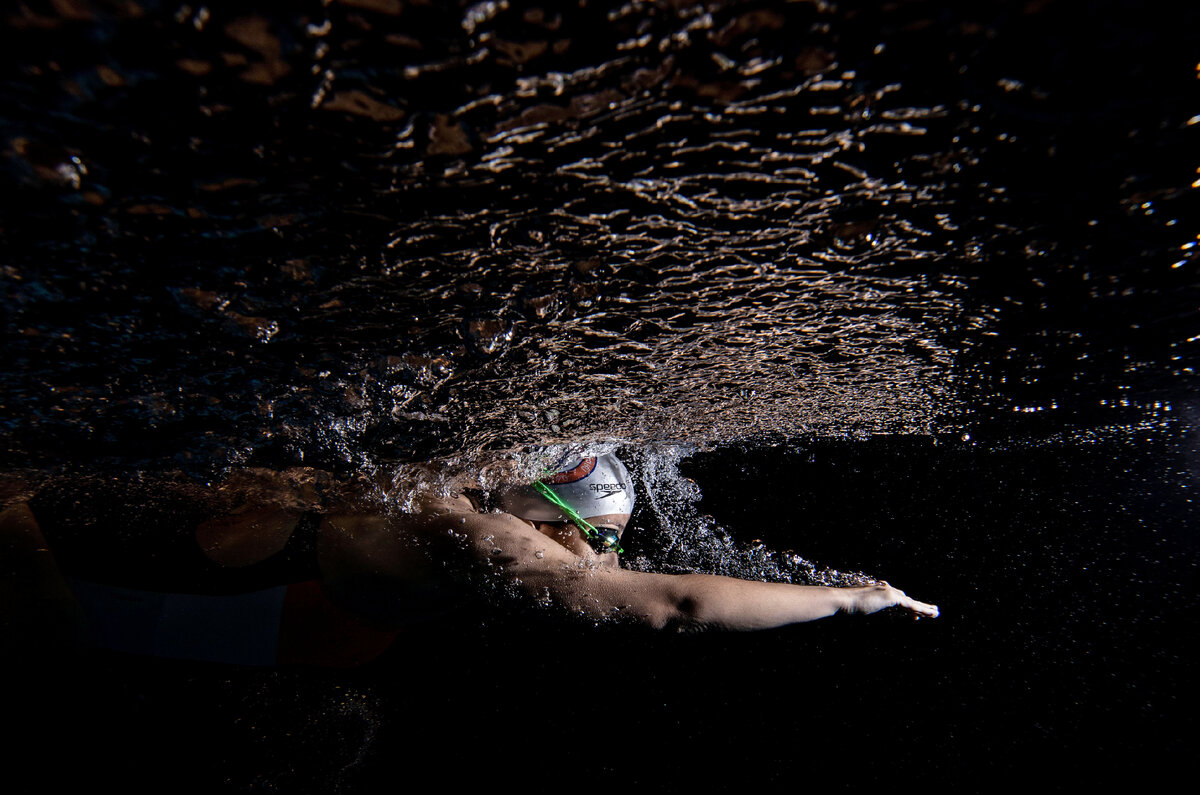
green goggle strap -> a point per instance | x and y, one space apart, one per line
587 527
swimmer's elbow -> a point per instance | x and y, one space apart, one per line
665 614
682 613
703 602
658 601
653 600
673 601
687 611
671 604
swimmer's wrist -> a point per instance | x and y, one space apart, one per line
845 600
853 600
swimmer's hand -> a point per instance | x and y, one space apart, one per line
880 596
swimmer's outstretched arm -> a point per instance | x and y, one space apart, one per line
515 552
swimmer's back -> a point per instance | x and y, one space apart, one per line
139 531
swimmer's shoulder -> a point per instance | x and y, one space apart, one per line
454 502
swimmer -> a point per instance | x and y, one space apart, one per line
584 517
292 568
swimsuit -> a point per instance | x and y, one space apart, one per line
145 587
295 624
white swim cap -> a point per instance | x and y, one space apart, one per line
592 486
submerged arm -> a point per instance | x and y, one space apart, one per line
541 568
36 604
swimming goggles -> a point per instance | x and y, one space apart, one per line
606 538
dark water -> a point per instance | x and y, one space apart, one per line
907 288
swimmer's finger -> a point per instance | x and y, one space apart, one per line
920 608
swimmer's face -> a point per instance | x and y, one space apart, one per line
611 521
570 536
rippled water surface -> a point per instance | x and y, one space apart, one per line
373 231
926 271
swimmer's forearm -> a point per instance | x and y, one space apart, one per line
728 603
